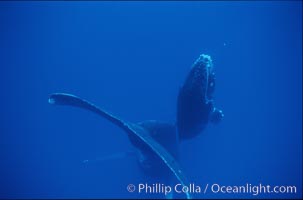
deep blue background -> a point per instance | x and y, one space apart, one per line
131 58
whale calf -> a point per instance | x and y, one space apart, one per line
195 103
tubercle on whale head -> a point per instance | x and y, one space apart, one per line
202 76
204 60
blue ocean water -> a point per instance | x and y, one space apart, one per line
131 58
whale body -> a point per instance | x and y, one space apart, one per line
157 143
195 103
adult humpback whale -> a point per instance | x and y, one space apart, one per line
157 142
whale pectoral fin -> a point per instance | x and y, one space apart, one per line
130 128
72 100
166 157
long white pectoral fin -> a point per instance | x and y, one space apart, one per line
130 128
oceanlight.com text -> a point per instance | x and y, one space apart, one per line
158 188
252 189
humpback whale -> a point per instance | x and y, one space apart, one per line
195 103
157 159
157 143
